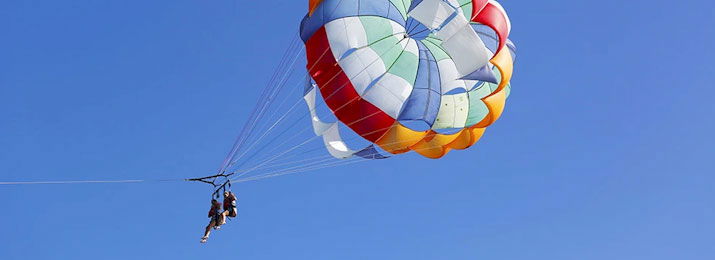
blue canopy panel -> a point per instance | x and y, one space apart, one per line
370 153
512 49
423 104
308 85
416 30
330 10
414 4
491 40
484 74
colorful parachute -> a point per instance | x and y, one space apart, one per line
400 75
407 75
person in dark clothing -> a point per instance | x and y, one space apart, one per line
217 218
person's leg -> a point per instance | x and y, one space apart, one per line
222 219
207 232
218 221
224 215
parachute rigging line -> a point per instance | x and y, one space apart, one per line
309 164
339 108
256 114
305 168
335 92
266 106
282 173
287 151
263 163
243 135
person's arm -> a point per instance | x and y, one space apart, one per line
212 211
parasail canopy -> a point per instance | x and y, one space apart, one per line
425 75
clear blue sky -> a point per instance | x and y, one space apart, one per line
605 150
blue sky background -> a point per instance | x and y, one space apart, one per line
605 150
